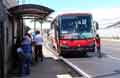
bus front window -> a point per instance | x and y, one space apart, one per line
76 27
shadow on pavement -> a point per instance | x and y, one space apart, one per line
49 68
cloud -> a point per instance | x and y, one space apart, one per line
106 13
106 16
67 10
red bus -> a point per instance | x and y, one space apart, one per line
75 32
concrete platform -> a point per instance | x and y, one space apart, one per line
51 67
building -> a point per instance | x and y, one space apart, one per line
5 36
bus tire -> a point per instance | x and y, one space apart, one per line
62 54
84 53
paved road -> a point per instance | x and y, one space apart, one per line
106 67
111 48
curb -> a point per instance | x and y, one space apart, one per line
85 75
77 69
47 46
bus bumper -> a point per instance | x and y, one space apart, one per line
80 49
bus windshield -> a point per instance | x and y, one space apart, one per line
76 27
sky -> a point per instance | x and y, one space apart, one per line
59 5
104 11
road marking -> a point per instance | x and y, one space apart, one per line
76 68
112 57
64 76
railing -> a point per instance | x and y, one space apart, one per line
116 38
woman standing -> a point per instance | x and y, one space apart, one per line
27 50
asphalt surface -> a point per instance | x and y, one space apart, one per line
111 48
106 67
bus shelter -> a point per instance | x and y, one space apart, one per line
17 14
28 11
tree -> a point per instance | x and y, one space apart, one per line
27 28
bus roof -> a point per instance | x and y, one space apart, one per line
68 14
71 13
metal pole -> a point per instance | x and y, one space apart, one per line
41 27
34 25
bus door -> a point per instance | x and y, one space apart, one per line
57 41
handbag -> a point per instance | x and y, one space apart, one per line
21 54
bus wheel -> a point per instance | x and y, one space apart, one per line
59 52
84 53
62 53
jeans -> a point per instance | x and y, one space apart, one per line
38 52
26 63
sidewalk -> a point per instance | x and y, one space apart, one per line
50 68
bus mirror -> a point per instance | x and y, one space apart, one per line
96 25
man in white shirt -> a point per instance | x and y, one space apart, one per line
38 46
